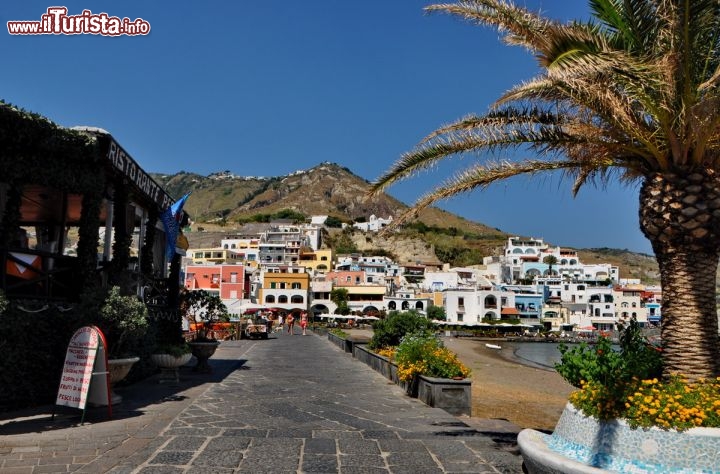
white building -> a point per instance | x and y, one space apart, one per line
470 306
374 224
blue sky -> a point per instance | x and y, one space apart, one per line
267 88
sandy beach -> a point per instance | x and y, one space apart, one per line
505 389
502 388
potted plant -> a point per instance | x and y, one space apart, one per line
409 354
169 357
623 413
202 309
123 319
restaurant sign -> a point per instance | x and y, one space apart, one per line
81 364
142 180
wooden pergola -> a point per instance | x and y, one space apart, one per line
76 211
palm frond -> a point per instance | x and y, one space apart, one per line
520 26
482 176
498 130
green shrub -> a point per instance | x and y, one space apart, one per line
389 331
608 375
33 345
124 321
175 350
339 333
421 353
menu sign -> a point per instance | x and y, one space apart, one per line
78 369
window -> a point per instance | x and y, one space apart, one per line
270 299
295 286
461 302
273 285
392 305
297 299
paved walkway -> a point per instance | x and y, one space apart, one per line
288 404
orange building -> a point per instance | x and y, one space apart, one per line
227 281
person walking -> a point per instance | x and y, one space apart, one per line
291 324
303 322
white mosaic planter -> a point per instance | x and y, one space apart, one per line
582 444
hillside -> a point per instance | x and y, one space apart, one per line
221 202
326 189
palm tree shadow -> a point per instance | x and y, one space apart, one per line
605 439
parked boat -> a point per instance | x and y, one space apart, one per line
493 346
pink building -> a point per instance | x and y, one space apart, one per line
228 281
346 277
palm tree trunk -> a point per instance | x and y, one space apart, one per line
689 316
680 215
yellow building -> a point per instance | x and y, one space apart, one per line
217 255
287 288
316 260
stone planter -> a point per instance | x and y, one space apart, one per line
582 444
410 387
453 396
338 341
169 365
202 352
119 369
348 344
377 362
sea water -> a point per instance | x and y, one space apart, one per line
543 355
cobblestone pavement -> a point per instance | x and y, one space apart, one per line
288 404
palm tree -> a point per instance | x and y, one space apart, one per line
631 94
550 260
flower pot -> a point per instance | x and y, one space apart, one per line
168 361
585 444
452 395
119 369
202 352
169 365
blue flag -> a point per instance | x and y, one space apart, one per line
171 221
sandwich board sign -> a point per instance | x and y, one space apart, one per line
85 376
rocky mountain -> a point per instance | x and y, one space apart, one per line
327 189
222 201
